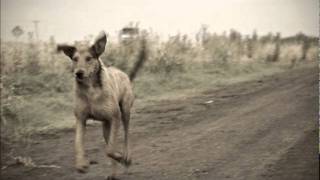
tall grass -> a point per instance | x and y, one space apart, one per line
36 82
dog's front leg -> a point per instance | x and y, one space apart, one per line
82 163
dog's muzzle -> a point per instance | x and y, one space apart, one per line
79 75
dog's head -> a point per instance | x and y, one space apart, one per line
85 58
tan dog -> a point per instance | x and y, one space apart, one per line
104 94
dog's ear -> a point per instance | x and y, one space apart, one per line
67 49
99 45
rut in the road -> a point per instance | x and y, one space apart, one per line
249 130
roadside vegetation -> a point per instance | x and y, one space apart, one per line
36 82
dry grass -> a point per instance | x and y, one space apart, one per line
37 83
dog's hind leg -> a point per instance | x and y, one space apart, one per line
125 117
106 131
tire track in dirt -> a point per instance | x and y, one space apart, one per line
248 131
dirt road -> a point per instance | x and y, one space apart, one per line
264 129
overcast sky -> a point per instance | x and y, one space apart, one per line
70 20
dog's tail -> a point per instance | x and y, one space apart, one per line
142 57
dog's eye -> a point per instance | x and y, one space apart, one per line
88 59
75 59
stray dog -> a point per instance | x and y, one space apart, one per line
104 94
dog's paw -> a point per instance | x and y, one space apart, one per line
115 156
123 160
112 178
82 167
126 162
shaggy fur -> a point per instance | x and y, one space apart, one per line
104 94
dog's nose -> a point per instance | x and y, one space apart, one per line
80 74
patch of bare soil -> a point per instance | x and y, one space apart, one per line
264 129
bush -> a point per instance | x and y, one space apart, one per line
37 83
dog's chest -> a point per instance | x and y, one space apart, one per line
95 99
94 95
98 104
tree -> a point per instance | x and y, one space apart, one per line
17 31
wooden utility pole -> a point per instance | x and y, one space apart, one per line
36 30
